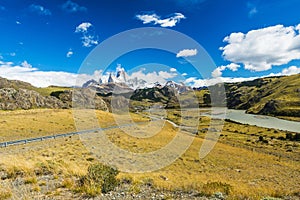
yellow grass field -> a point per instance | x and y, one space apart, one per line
239 165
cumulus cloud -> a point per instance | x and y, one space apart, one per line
187 53
287 71
25 72
218 71
291 70
39 9
83 27
25 64
261 49
156 20
72 7
184 74
88 38
69 53
196 82
151 77
18 22
173 69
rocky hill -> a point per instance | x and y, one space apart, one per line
21 95
279 96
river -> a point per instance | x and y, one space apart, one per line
258 120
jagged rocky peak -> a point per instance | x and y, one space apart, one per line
180 88
121 77
110 79
157 84
121 74
171 84
89 83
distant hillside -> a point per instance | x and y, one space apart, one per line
279 96
21 95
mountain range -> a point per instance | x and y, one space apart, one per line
278 96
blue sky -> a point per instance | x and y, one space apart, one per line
45 42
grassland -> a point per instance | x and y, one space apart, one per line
21 124
242 165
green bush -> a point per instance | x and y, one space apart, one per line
99 178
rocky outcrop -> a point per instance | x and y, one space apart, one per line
13 96
12 99
84 98
5 83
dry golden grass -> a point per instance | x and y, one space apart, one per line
239 167
251 174
21 124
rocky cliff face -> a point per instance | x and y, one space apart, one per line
20 95
11 99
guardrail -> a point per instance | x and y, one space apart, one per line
47 137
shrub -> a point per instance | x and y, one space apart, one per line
211 188
261 138
289 136
99 178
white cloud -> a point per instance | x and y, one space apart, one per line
287 71
173 69
218 71
25 72
261 49
152 77
195 82
291 70
72 7
18 22
83 27
184 74
88 38
156 20
69 53
187 53
39 9
12 54
25 64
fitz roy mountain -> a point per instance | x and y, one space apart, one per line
120 82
